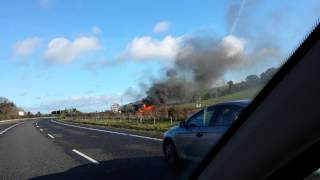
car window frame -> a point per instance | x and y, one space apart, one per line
193 116
216 110
219 110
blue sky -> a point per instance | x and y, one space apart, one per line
89 54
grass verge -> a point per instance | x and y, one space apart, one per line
147 127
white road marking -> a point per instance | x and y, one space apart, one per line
7 129
85 156
50 136
41 129
111 132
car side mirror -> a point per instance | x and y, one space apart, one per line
183 124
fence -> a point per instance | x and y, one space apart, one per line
159 114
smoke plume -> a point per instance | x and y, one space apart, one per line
199 63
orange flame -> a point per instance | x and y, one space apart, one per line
146 108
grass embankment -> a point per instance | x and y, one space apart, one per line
161 126
245 94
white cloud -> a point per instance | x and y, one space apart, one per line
233 45
25 47
82 103
62 50
44 3
96 30
148 48
161 27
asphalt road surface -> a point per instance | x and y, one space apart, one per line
6 126
50 149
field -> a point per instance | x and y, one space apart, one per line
246 94
158 127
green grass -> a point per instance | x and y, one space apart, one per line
147 126
246 94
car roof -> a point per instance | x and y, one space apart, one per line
242 103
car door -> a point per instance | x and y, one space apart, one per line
219 123
185 138
189 139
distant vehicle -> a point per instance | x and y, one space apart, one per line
193 138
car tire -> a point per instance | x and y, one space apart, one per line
170 152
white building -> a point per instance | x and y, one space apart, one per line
115 108
21 113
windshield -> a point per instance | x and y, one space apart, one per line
98 89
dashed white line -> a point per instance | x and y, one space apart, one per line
7 129
111 132
41 129
85 156
52 137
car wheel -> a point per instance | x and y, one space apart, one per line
170 152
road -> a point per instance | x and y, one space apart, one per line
50 149
4 127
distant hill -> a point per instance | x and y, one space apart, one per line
244 94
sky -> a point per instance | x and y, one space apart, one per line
89 54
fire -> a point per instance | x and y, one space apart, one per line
146 108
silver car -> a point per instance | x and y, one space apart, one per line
193 138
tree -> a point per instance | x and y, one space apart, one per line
268 74
252 80
3 100
8 110
230 85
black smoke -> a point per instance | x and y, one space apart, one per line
199 63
